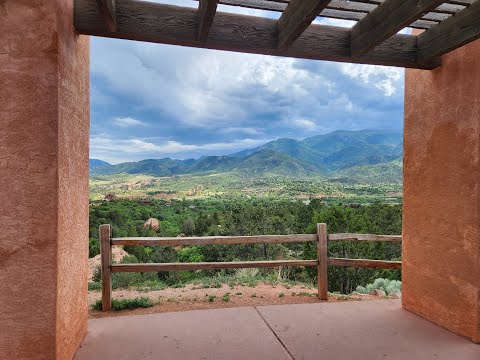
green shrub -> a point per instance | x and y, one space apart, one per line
246 273
97 274
92 286
123 304
211 298
387 285
226 297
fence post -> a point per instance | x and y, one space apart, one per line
322 268
106 260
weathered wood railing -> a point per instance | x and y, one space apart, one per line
322 262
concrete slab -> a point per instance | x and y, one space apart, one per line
237 333
363 330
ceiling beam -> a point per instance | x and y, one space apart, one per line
168 24
386 20
107 8
456 31
332 10
206 13
298 15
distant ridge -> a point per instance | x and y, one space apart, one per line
95 163
366 155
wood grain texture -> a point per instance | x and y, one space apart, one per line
298 15
322 256
364 263
144 21
214 240
386 20
458 30
209 265
206 14
107 8
339 9
106 260
364 237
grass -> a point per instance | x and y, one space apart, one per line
281 295
211 298
124 304
94 286
226 297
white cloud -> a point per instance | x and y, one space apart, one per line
304 123
119 150
386 79
125 122
203 88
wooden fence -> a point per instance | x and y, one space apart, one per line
322 262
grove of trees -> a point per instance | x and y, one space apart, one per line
255 216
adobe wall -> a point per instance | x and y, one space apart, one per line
441 233
44 122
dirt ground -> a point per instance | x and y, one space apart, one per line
193 298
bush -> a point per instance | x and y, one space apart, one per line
97 274
389 286
246 273
94 286
127 279
124 304
226 297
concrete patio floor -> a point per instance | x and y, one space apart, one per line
335 331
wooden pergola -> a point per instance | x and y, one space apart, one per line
374 39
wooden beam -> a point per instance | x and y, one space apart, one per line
168 24
214 240
107 8
209 265
296 18
336 10
386 20
105 234
456 31
364 237
322 256
364 263
206 13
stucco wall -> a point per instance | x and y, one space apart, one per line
441 236
44 180
73 191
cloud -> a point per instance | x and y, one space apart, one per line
306 124
186 102
120 150
125 122
386 79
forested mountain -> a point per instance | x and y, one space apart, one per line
371 154
95 163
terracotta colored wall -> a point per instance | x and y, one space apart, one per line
73 191
44 123
441 232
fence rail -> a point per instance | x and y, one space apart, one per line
322 262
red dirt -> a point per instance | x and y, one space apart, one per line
184 299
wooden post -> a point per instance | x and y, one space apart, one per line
322 280
106 259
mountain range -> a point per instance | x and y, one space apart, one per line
349 156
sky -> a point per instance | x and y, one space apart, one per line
151 101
